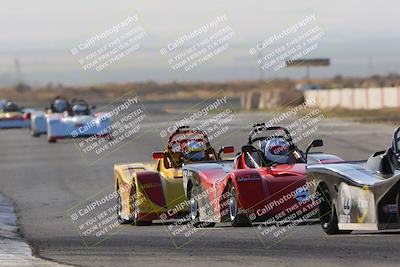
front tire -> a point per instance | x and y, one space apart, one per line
194 211
237 220
327 214
34 134
110 137
119 209
133 218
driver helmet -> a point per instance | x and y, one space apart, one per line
60 105
2 103
194 150
11 107
79 109
277 150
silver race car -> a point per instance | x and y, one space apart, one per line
58 106
359 195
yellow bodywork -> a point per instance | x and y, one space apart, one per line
7 115
125 176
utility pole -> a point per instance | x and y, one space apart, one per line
260 70
18 73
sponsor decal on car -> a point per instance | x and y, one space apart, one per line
362 204
345 201
302 194
248 179
390 208
150 185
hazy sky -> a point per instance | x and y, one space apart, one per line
40 33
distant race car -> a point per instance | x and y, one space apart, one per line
360 195
58 106
265 182
13 116
154 191
79 121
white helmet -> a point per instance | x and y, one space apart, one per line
60 105
2 103
277 150
79 109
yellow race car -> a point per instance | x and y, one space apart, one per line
13 116
154 191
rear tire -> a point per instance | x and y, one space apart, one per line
237 220
327 214
52 140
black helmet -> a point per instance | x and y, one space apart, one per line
11 107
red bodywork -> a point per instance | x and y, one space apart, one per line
266 181
262 193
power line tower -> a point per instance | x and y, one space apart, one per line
18 72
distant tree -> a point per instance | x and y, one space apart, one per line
49 86
338 78
22 87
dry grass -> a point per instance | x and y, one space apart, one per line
387 115
146 91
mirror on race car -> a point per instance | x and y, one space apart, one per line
226 150
314 143
248 148
27 116
158 155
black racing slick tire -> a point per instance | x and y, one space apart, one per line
327 214
119 209
133 216
34 134
237 220
194 211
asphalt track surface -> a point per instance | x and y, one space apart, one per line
46 180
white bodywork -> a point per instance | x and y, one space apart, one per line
65 126
14 123
39 122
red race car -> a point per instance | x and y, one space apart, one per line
264 182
